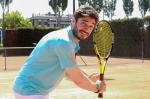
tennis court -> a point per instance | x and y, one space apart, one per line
125 78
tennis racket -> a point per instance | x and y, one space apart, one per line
103 39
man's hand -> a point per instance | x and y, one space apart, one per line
103 87
94 77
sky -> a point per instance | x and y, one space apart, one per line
28 7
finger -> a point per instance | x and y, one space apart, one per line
92 74
103 89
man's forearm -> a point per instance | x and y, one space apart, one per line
86 83
68 78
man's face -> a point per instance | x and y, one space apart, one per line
83 27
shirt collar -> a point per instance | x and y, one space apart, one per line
71 36
70 33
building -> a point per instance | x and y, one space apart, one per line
50 20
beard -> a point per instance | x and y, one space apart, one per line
75 31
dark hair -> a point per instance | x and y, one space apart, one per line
86 10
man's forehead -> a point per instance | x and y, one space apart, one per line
88 19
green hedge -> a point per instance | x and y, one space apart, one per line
24 37
1 51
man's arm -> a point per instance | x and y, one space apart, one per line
67 77
93 77
81 79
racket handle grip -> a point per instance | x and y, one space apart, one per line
100 95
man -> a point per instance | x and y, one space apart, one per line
54 57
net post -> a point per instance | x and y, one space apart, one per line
81 58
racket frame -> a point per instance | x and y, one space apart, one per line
103 59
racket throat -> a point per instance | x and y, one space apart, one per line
102 64
101 77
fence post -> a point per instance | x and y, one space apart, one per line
5 58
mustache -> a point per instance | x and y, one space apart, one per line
84 32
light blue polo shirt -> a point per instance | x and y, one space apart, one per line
44 69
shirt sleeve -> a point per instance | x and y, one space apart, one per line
66 54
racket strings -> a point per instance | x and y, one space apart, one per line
103 39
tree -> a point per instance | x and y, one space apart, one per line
128 7
143 6
149 5
82 2
14 20
9 2
58 6
5 3
109 7
97 4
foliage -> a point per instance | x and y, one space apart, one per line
97 4
149 6
128 7
0 23
57 6
1 45
14 20
1 51
128 37
109 7
5 4
82 2
143 6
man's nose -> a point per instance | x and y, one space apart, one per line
86 28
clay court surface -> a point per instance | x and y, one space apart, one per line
125 78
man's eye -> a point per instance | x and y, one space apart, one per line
91 26
83 23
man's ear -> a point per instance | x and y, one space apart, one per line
73 21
